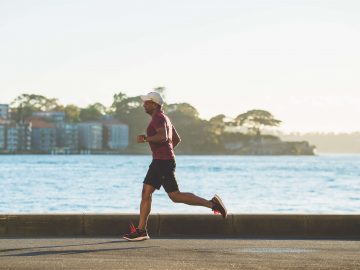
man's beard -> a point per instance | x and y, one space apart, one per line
148 112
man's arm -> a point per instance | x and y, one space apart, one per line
175 137
160 136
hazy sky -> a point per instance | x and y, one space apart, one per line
300 60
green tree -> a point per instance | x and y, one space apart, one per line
72 113
218 124
93 112
161 90
197 134
256 120
123 105
100 107
25 104
130 111
117 99
184 109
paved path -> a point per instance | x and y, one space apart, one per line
111 253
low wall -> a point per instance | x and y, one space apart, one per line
174 225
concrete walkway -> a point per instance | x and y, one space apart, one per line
170 253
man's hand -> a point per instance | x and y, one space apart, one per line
141 138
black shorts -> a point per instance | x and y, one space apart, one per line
162 173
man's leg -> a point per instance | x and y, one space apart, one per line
215 203
189 198
145 205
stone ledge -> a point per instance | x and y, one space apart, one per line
186 225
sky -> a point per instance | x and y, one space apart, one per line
300 60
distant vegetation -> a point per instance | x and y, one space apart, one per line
198 135
329 142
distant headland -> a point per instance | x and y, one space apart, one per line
35 124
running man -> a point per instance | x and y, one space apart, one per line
163 138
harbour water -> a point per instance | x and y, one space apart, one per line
248 184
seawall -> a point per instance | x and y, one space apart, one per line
184 225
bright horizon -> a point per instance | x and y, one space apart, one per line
297 59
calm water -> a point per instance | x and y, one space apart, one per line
112 184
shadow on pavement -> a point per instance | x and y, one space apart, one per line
92 244
64 246
69 252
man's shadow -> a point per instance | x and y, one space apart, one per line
68 252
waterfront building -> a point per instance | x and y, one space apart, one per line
57 117
12 138
90 136
24 136
4 111
43 135
2 136
116 134
18 137
15 136
67 136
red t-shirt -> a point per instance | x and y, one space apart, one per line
164 150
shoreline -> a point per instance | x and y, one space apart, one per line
145 154
177 154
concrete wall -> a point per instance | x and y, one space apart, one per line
171 225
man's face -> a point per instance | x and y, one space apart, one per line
149 106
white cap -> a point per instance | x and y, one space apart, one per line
153 96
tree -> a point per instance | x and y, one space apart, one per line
93 112
197 134
25 104
184 109
130 111
117 99
36 102
256 120
72 113
218 124
122 105
100 107
162 91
